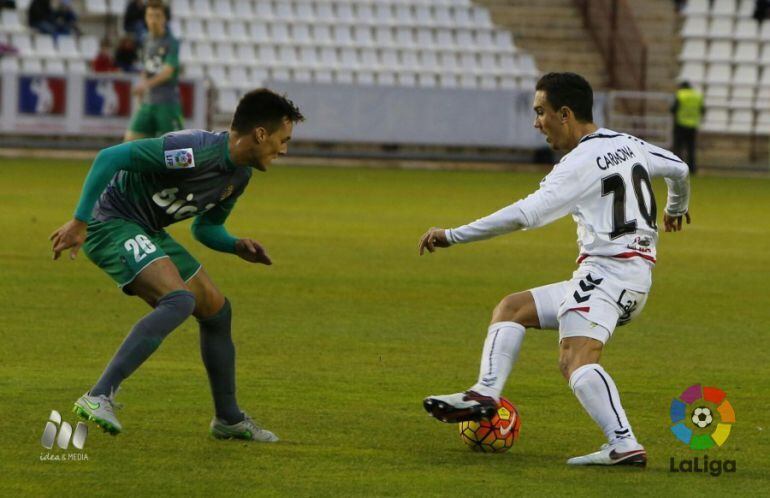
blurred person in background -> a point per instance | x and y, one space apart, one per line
104 62
126 55
40 17
64 17
133 19
760 9
52 17
158 88
688 110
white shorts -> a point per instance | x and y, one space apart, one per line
601 301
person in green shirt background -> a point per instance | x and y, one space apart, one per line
688 110
158 88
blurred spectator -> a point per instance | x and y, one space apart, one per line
679 5
52 17
103 62
7 4
760 9
7 49
688 109
126 54
64 17
40 17
133 19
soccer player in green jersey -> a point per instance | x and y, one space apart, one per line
131 193
160 111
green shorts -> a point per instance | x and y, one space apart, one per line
154 120
123 249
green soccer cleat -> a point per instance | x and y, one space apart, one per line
245 429
101 410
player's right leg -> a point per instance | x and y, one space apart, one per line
168 118
510 318
141 268
142 124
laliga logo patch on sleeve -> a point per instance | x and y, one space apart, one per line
179 158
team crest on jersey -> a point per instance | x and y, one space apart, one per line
180 158
227 192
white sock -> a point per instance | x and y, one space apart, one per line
599 396
501 348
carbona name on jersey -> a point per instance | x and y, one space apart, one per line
615 158
179 208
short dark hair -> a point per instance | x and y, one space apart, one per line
159 4
264 108
156 4
569 90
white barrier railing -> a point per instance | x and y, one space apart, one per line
82 104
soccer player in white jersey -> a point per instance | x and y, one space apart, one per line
604 183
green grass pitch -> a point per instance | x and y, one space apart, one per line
339 341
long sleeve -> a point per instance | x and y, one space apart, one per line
557 195
209 228
113 159
505 220
676 173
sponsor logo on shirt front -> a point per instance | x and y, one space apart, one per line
179 158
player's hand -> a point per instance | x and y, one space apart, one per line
252 251
674 223
140 88
71 236
433 238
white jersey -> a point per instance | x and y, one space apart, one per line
605 184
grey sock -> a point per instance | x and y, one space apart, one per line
218 353
144 339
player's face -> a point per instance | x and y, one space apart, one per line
548 121
156 21
270 146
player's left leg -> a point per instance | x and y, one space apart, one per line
214 315
168 118
691 149
580 348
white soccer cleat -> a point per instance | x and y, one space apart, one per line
101 410
460 407
624 452
245 429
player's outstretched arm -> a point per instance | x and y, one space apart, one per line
433 238
674 223
252 251
71 235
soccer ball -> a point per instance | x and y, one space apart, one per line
496 435
702 417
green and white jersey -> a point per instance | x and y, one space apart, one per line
156 53
160 181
